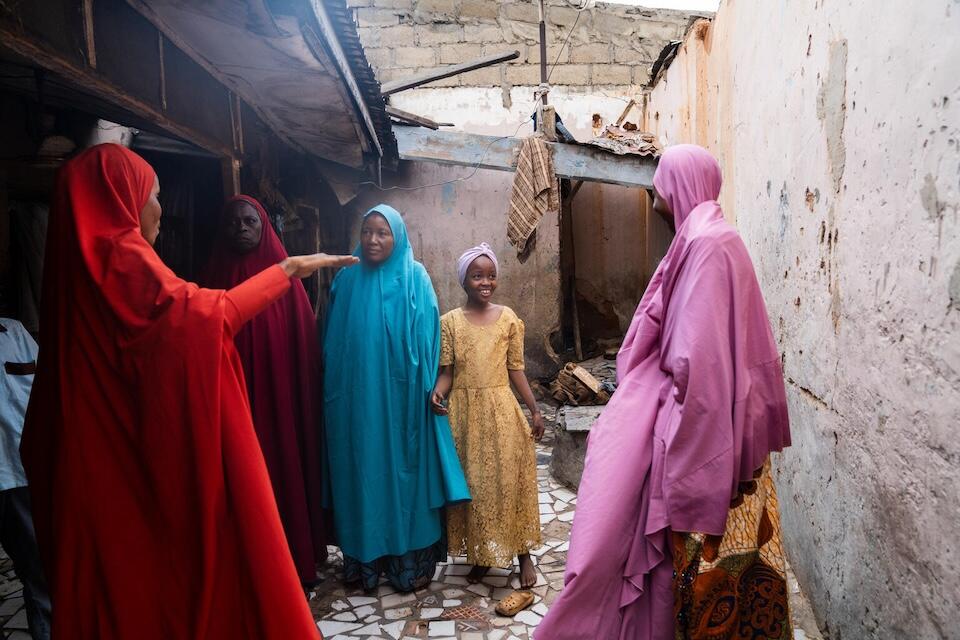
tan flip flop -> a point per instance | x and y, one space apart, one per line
515 603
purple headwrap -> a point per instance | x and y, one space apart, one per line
472 254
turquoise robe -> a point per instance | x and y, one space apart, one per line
393 465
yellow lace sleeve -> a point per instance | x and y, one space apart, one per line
446 340
515 348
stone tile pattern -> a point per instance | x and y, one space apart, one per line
611 45
351 614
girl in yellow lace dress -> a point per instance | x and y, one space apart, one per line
481 356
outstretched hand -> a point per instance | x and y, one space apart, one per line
303 266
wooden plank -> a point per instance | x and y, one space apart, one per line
576 162
396 86
411 118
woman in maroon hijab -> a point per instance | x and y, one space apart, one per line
281 363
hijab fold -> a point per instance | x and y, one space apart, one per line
699 407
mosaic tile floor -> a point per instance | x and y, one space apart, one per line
451 608
447 609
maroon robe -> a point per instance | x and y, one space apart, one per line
280 352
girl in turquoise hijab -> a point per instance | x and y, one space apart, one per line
393 466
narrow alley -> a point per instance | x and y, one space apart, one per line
655 301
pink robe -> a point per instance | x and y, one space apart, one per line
699 407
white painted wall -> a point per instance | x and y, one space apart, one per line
838 129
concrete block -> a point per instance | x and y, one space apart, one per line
488 77
457 53
522 32
359 3
565 17
371 17
369 36
577 75
413 57
570 446
641 74
613 24
430 34
523 74
379 58
553 56
399 36
483 33
406 5
521 12
480 9
626 54
612 74
591 53
446 7
664 31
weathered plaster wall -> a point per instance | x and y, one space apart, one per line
838 125
444 221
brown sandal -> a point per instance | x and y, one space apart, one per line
515 603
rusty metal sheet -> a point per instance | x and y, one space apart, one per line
296 92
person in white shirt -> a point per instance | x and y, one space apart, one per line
18 354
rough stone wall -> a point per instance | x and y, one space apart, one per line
839 137
611 45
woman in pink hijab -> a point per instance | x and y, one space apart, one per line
677 532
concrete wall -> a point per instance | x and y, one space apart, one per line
610 46
838 129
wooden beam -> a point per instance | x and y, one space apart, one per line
94 83
575 190
577 162
396 86
91 49
412 118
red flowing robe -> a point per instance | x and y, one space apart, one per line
151 499
280 353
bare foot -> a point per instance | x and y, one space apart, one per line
477 574
528 574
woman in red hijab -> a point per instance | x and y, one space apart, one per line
280 353
152 503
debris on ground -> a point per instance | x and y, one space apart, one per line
575 385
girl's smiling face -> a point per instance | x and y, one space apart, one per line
481 280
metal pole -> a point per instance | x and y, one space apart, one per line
543 51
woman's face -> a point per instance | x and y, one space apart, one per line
376 239
242 227
150 214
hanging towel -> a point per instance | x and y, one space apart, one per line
535 191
